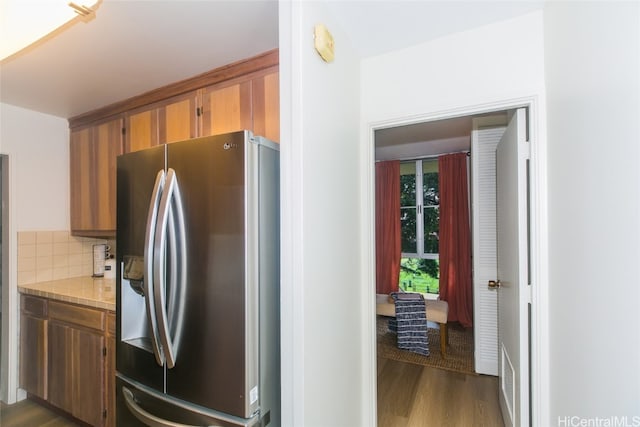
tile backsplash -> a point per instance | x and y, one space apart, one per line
53 255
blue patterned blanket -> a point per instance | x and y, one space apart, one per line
410 323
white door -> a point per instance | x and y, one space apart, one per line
513 278
485 136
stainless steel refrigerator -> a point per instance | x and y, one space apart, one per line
197 339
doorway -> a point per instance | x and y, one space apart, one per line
536 189
414 146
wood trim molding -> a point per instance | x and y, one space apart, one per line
217 75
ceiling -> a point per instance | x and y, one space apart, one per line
131 47
424 139
379 26
436 130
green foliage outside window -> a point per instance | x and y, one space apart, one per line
419 275
419 270
408 213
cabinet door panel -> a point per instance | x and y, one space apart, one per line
177 119
107 147
92 175
141 130
80 179
110 382
226 109
168 121
88 376
33 355
266 106
60 366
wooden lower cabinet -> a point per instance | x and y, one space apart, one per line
33 342
110 371
76 372
78 350
88 377
60 366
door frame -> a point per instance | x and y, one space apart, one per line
539 344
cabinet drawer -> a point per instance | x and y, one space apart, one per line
82 316
34 306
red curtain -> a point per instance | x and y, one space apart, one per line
455 238
387 226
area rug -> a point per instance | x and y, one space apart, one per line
459 357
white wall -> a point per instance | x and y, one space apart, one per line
321 285
489 64
592 62
38 149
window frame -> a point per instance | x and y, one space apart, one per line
419 209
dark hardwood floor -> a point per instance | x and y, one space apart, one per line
27 413
411 395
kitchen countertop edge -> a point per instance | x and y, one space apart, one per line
86 291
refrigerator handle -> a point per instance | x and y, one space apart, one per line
178 279
149 262
144 416
170 194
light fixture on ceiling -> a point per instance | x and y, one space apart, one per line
80 9
25 22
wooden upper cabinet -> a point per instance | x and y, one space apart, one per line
168 121
92 174
266 105
108 146
226 108
177 119
80 194
141 130
238 96
252 103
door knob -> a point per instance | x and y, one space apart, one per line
494 284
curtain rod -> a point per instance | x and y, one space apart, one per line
432 156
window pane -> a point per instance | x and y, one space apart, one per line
408 184
431 229
430 193
431 211
408 230
419 275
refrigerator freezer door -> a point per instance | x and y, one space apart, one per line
217 366
141 406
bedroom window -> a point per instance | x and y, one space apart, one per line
419 225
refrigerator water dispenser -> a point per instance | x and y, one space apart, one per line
134 325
